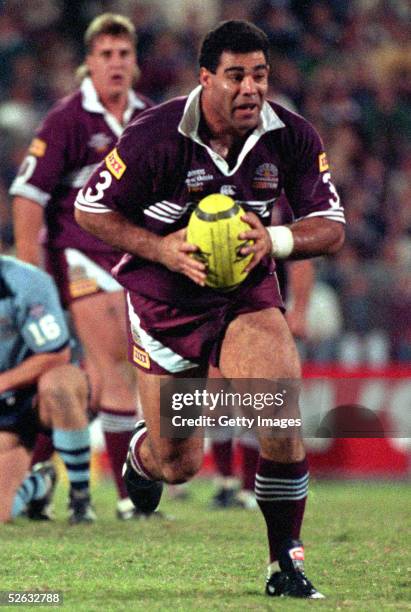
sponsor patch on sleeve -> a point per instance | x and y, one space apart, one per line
323 162
115 164
141 357
38 147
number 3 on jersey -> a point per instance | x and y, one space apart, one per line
45 329
334 201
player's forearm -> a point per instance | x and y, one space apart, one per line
316 236
27 222
115 230
301 280
29 371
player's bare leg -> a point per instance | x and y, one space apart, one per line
153 458
63 397
282 473
228 493
172 460
100 324
19 487
14 464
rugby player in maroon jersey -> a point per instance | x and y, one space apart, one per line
225 137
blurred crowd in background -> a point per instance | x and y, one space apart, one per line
345 66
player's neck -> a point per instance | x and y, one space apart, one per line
226 143
116 104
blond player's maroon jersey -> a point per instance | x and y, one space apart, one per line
75 136
161 168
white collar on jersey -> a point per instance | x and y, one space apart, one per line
190 121
92 104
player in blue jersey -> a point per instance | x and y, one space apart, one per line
39 391
225 137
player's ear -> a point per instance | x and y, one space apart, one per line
205 77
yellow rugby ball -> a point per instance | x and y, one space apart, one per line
214 227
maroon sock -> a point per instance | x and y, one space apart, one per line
223 457
249 463
281 491
117 428
43 450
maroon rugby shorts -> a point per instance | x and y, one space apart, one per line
81 274
178 338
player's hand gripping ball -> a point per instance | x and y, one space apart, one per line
214 227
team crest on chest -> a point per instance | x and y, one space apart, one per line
99 142
265 177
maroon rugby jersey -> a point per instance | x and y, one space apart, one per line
161 169
73 139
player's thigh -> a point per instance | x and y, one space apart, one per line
164 448
259 345
100 324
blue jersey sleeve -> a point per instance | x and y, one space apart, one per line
40 315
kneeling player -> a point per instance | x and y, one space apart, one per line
39 391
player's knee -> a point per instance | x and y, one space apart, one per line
63 391
177 470
283 450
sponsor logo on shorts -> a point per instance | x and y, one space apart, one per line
266 177
115 164
38 147
83 286
323 162
141 357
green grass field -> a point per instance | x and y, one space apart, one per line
357 541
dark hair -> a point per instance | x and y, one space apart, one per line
237 36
